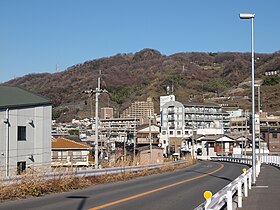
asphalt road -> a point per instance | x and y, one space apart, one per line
180 189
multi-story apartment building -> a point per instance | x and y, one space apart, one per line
239 122
118 129
139 109
106 113
179 121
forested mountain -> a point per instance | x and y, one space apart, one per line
129 77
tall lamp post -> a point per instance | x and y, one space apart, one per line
252 16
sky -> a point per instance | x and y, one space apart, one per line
40 35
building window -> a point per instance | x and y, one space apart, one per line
21 167
171 132
21 133
274 135
163 132
164 141
178 132
186 132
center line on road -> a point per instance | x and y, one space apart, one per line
259 186
155 190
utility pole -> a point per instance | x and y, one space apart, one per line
259 120
246 124
134 139
7 122
242 134
97 92
192 140
150 136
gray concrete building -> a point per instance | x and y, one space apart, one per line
25 131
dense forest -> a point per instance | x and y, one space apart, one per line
192 76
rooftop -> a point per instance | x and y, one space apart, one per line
15 97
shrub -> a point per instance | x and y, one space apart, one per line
271 80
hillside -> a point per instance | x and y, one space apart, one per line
130 77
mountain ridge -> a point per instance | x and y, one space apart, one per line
135 76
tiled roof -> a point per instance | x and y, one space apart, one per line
63 143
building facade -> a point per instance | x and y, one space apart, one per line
179 121
106 113
270 131
139 109
25 131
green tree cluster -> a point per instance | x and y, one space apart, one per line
217 85
271 81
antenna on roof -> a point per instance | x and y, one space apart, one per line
57 67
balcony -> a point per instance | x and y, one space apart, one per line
171 118
147 141
171 111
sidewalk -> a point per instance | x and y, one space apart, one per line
266 194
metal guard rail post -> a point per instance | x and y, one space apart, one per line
85 173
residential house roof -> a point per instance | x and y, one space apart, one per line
217 137
15 97
63 143
145 128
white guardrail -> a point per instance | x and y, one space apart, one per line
239 187
273 160
84 173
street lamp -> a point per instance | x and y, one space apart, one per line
252 16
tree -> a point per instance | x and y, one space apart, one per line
217 85
271 80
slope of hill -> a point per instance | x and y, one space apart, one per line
130 77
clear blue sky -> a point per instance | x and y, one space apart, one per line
35 35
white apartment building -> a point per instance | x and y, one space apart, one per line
180 121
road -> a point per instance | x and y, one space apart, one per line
180 189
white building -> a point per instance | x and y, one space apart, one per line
179 121
25 131
164 99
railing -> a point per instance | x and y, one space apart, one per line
238 187
245 160
85 173
147 141
267 159
273 160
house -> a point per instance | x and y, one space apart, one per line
149 155
145 135
25 131
210 145
66 152
145 132
270 131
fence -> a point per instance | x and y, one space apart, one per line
273 160
238 187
